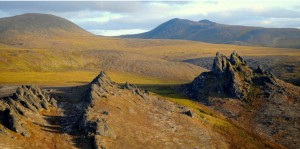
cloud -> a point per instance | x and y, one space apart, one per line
117 32
96 17
71 6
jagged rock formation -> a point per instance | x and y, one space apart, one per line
27 99
135 90
254 99
229 78
100 87
124 116
97 128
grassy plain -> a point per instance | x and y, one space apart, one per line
74 60
71 78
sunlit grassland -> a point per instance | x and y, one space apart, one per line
71 78
37 60
168 49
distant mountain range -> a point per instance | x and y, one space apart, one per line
211 32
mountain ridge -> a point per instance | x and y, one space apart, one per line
211 32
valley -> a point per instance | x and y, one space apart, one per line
63 87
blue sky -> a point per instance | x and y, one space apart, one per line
128 17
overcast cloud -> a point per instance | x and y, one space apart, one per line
116 18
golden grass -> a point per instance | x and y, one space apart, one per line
40 56
70 78
138 79
167 49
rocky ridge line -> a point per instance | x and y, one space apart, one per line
99 88
102 88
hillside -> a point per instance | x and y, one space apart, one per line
26 26
250 97
71 105
103 114
211 32
141 60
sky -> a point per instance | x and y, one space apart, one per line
112 18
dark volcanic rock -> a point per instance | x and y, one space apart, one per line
229 78
27 98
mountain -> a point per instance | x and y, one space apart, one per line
211 32
41 25
252 98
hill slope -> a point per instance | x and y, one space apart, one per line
41 25
103 114
63 54
252 98
212 32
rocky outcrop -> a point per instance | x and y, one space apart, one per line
135 90
100 87
95 124
11 120
116 115
229 78
26 99
265 105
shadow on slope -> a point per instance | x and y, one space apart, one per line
65 121
170 91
